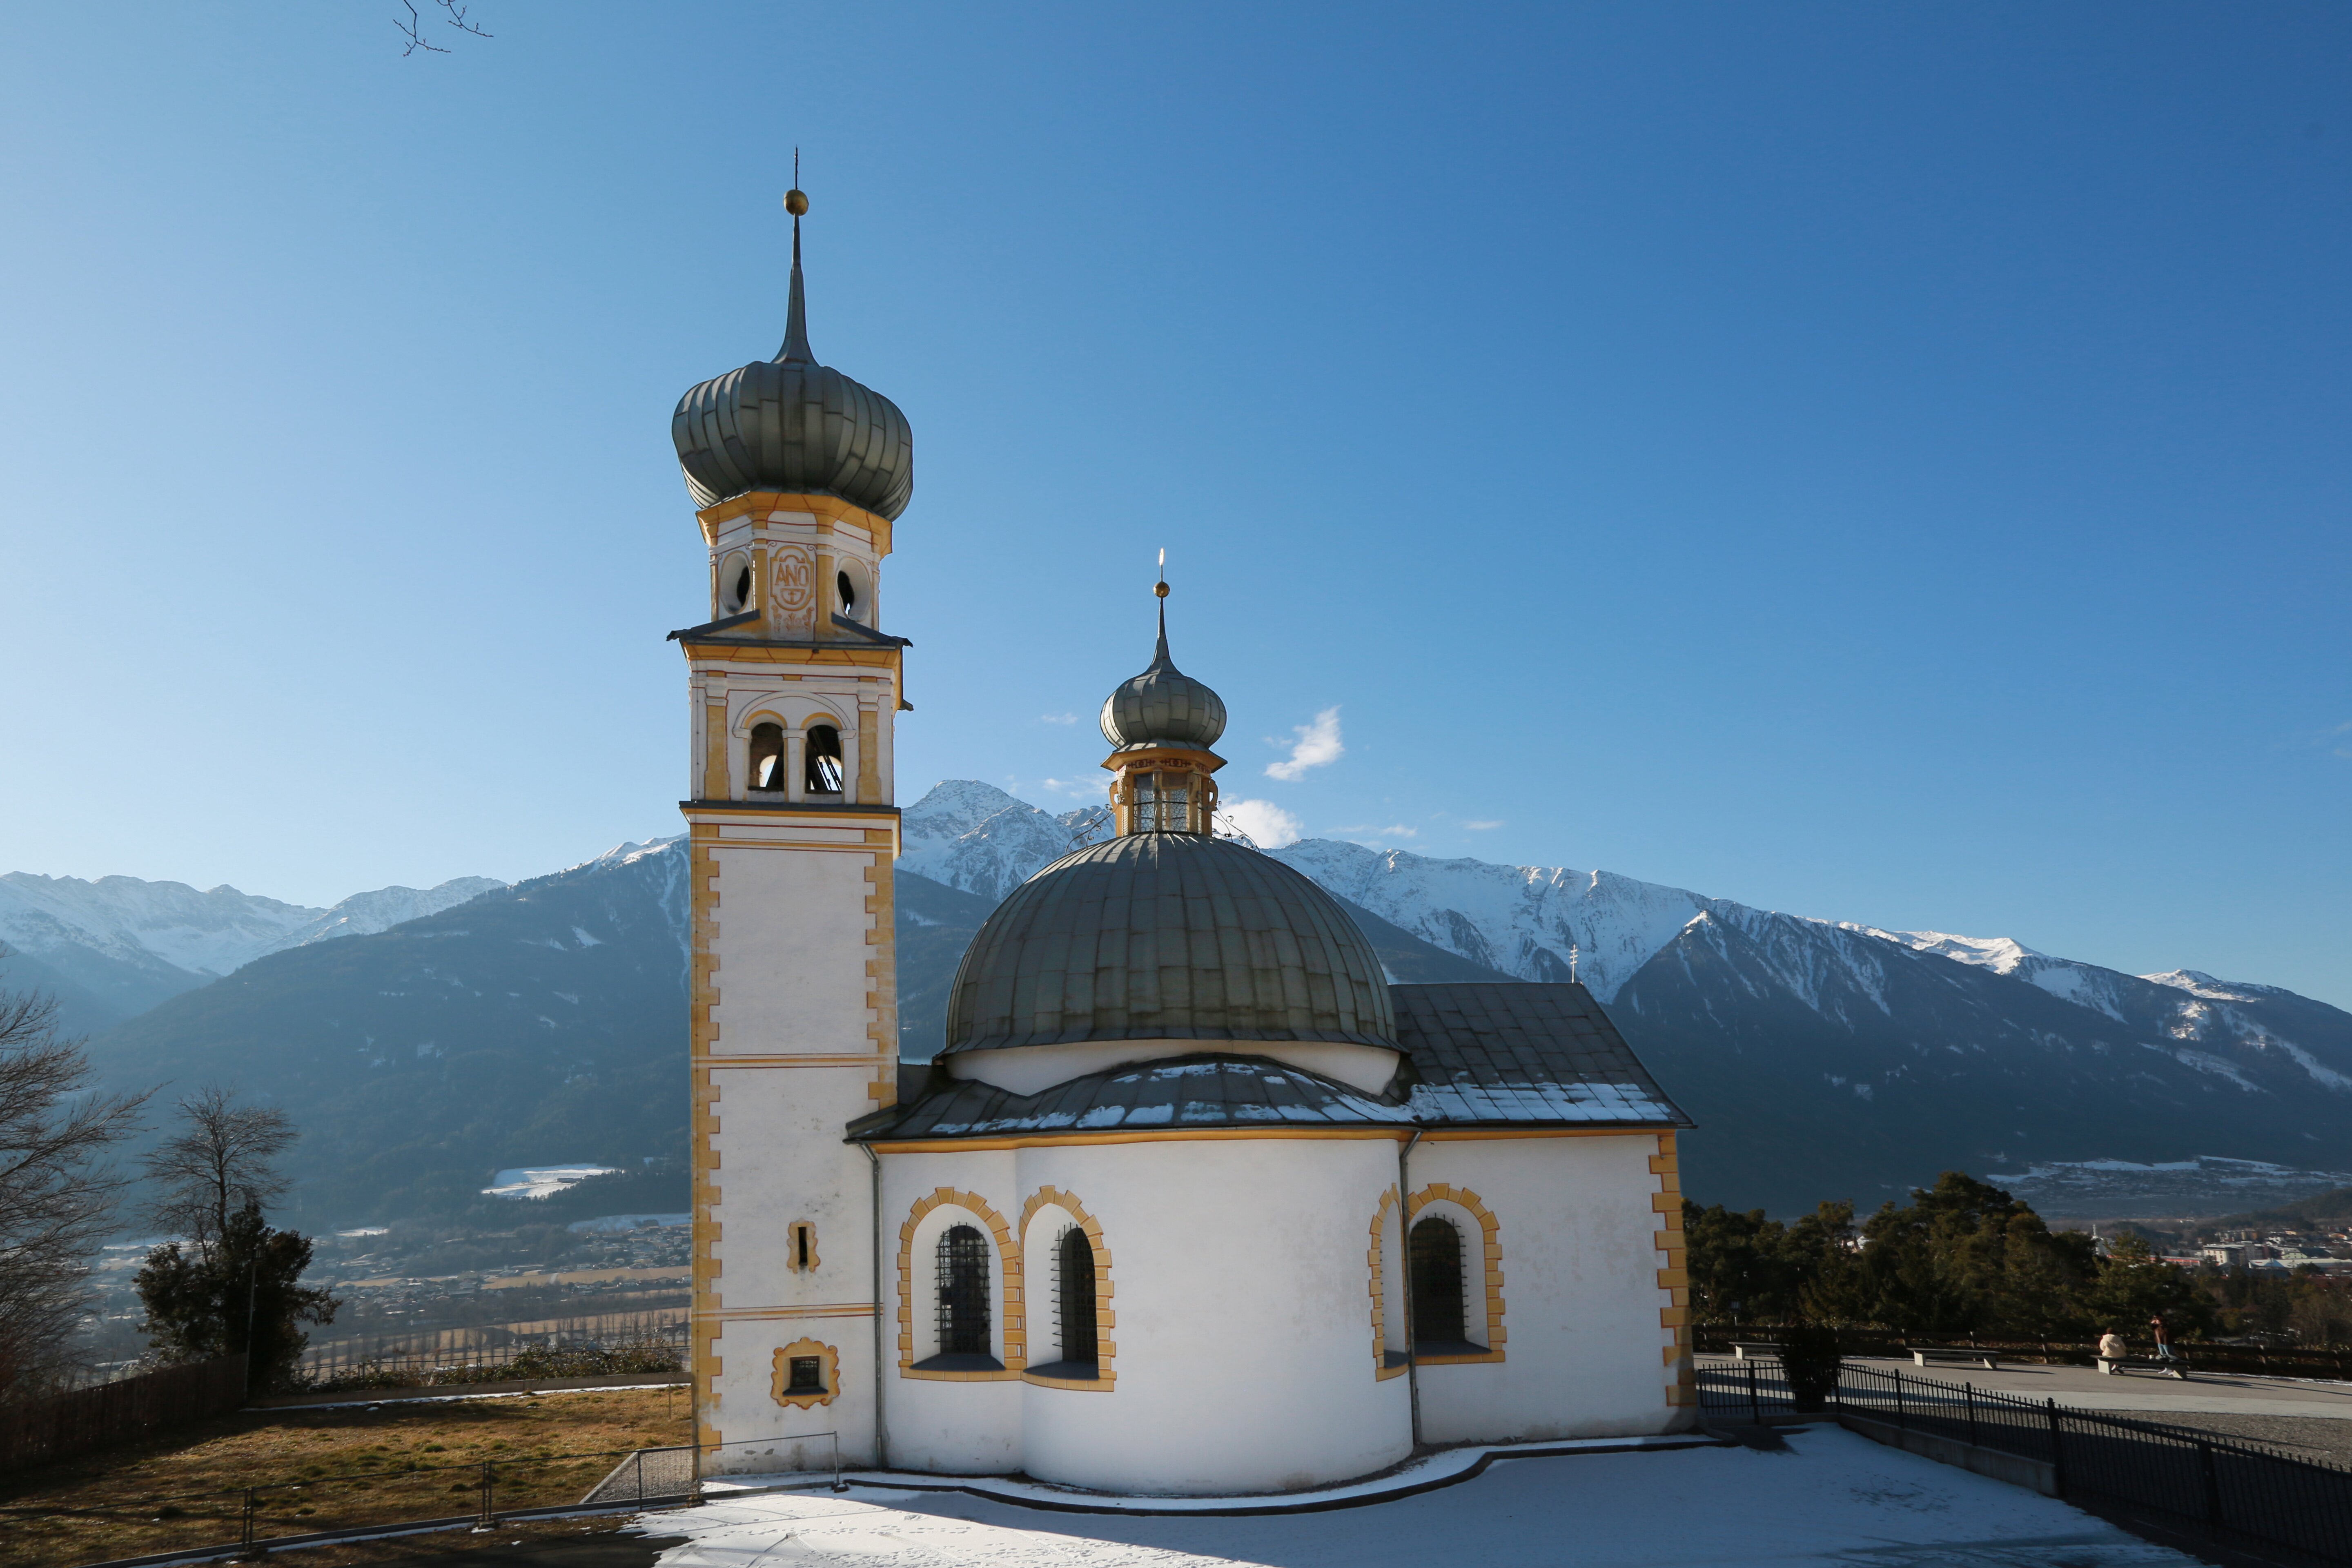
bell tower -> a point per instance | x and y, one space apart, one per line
798 474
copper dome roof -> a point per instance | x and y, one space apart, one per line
1168 936
1163 706
790 424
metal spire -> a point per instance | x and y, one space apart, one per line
1160 659
796 344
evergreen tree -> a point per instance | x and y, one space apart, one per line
242 1292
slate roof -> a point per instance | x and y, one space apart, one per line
1493 1054
1192 1091
1481 1055
1174 936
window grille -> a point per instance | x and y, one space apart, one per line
1074 1296
1163 802
963 1292
808 1375
1436 1282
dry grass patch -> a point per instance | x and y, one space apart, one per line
326 1470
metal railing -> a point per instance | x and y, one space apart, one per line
2226 1485
389 1365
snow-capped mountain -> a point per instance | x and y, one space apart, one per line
547 1023
530 1027
114 947
978 839
1819 1048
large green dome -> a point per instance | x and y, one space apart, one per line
1174 936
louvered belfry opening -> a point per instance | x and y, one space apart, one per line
1436 1282
1076 1290
963 1292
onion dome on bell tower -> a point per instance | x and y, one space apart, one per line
1160 726
792 425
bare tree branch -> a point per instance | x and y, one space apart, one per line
56 1195
456 18
410 30
223 1158
414 28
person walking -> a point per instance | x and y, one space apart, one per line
2164 1346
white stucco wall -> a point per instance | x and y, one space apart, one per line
1240 1334
962 1425
789 992
1243 1326
1584 1345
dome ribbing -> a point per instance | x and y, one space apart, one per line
1174 936
790 424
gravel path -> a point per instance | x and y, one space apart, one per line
2309 1437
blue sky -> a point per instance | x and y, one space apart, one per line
1883 463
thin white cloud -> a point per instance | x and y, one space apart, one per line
1057 718
1318 746
1398 830
1268 825
1073 786
1481 827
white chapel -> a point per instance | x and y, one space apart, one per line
1194 1200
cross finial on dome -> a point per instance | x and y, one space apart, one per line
796 344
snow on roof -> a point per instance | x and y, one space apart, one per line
1530 1053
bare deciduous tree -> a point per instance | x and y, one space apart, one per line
223 1157
56 1194
414 28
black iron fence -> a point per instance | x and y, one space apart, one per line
2225 1485
2254 1359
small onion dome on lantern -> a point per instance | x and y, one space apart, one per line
790 424
1163 706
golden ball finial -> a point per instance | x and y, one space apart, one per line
796 202
1161 590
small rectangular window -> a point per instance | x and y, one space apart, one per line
808 1375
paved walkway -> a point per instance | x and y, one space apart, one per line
2140 1394
1831 1500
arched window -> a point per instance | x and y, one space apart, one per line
821 769
963 1292
1436 1265
768 756
1074 1290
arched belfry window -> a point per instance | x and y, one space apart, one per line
963 1292
768 756
1074 1298
1436 1264
820 765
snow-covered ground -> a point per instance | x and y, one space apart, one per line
541 1180
1832 1498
